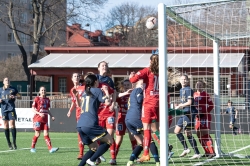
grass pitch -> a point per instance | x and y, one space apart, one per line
67 142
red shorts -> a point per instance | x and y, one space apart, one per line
120 124
150 114
107 122
203 122
38 126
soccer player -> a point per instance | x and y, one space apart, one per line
186 121
88 126
107 114
233 112
122 100
8 97
40 107
135 126
76 93
150 110
204 105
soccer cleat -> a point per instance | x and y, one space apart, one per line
130 163
33 150
170 154
209 156
98 161
14 146
185 152
144 158
102 158
79 157
195 156
112 162
91 163
10 146
157 164
53 150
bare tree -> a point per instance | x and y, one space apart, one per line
129 18
48 20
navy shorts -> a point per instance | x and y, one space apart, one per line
185 122
232 121
134 126
9 115
91 134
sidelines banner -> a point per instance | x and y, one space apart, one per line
24 118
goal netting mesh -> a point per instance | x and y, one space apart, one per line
191 30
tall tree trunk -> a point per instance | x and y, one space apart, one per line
18 41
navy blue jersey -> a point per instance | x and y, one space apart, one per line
185 94
106 79
90 105
135 104
231 111
8 104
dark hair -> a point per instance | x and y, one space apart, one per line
184 75
203 82
73 74
154 65
229 101
103 62
89 82
121 87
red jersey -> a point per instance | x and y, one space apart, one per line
151 82
42 105
104 109
203 102
123 104
80 90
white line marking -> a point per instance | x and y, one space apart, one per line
209 160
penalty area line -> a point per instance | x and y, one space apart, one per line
230 153
7 151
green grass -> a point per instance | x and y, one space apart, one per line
68 152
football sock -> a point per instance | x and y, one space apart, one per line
133 144
209 143
193 143
117 147
7 135
156 136
154 151
47 141
80 145
182 140
202 141
87 155
112 150
34 140
146 142
136 152
13 132
100 151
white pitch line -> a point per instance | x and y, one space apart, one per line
209 160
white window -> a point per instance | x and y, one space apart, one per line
10 37
62 84
23 18
10 54
23 38
209 80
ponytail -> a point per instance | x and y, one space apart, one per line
154 65
89 83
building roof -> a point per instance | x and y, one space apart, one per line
134 60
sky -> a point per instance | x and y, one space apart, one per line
154 3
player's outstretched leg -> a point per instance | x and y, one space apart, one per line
155 153
81 148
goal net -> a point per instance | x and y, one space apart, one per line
199 35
